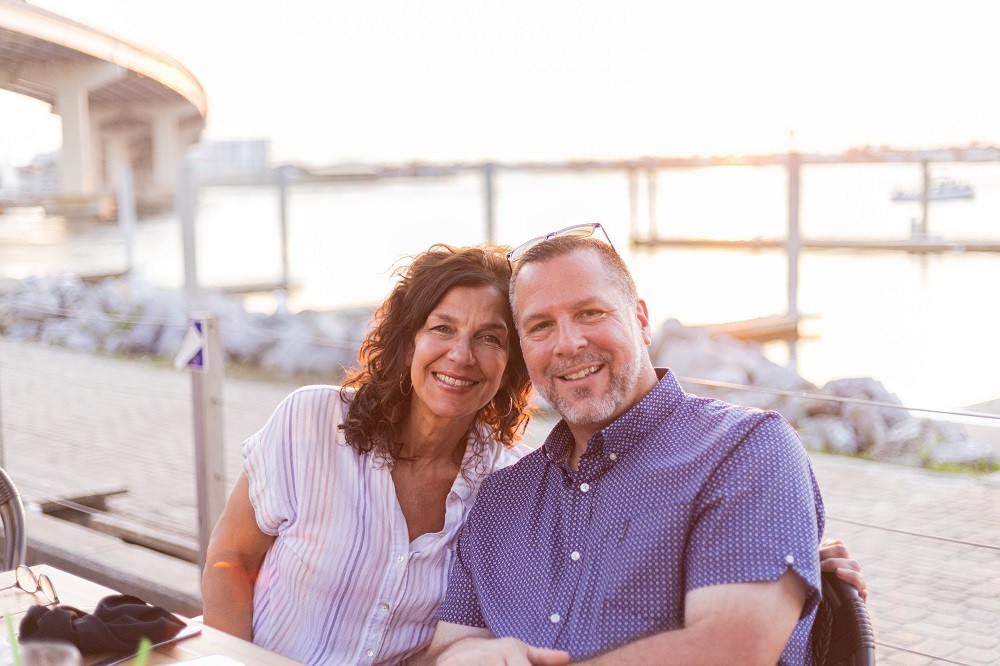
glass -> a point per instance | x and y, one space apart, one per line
26 580
579 230
50 653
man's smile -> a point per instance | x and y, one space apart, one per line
580 374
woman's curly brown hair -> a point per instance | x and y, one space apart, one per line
382 380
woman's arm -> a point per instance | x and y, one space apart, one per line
234 556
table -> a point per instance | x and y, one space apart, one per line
84 594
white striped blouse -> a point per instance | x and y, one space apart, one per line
342 584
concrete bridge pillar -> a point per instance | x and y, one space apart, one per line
76 160
168 148
116 156
78 172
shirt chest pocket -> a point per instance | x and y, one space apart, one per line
644 574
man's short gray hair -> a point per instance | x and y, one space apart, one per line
552 248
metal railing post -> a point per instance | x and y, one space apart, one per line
206 398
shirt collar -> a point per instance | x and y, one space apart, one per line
619 436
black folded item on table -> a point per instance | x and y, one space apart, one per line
118 623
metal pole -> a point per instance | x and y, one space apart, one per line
793 245
651 197
925 198
206 397
283 203
488 169
633 201
186 195
126 213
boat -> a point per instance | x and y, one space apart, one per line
941 190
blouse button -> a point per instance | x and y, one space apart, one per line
384 606
554 618
370 653
613 456
575 555
790 559
584 487
400 558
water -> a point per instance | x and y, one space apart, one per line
926 326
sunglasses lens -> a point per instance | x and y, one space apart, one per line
26 579
48 589
580 231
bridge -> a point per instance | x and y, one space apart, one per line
120 104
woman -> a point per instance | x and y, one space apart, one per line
334 545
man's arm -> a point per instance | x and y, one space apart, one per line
742 623
457 645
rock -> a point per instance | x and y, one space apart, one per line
827 433
130 315
964 452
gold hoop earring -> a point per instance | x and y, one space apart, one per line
510 409
407 391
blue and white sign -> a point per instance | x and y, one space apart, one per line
192 351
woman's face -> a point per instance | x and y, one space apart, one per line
459 354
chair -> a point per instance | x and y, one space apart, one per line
842 632
12 515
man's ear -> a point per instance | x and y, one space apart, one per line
642 315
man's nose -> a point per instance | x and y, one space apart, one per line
570 340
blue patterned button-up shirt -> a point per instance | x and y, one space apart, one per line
678 493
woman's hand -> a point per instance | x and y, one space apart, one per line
834 556
500 652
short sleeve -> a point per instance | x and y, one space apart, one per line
277 458
759 514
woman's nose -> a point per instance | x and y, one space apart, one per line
461 351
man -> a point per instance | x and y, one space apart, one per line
651 524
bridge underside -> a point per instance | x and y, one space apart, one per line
120 106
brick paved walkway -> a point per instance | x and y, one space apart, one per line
80 419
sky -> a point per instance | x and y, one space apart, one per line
332 81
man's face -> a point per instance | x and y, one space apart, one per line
583 342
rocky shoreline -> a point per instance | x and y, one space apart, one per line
130 316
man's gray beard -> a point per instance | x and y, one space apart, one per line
584 409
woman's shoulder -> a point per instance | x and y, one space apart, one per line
314 394
315 401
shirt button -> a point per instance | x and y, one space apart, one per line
370 653
384 606
400 558
575 555
584 487
554 618
789 559
613 456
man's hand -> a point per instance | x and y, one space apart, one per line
833 556
500 652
